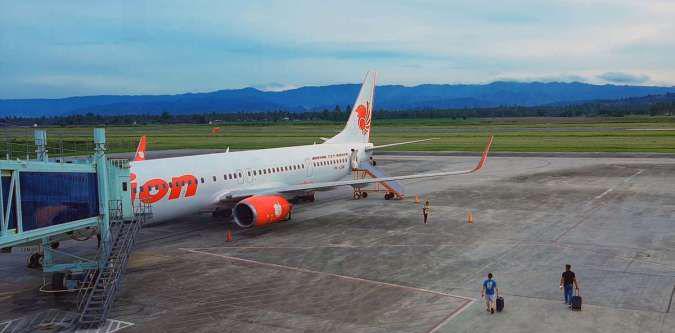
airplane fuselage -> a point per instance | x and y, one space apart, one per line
185 185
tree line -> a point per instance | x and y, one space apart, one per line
663 105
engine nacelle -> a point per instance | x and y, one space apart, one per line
260 210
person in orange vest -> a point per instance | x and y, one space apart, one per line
426 209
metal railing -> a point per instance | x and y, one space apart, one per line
102 286
115 209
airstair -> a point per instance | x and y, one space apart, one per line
392 189
102 285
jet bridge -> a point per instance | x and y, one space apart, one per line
43 202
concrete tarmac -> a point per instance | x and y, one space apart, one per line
370 265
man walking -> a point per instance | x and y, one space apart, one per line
568 281
490 292
426 210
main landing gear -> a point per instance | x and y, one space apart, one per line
364 194
222 212
303 198
308 198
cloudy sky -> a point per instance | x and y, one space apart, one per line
66 48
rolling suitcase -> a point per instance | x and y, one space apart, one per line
576 302
500 304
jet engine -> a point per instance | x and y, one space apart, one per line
260 210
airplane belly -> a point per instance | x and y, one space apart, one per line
170 209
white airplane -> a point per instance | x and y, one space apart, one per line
255 186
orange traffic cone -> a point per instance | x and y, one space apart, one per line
469 218
417 198
228 235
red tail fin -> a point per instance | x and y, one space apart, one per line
140 151
357 129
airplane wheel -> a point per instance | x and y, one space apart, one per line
357 195
387 196
364 195
35 261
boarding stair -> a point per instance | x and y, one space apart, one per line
392 188
101 286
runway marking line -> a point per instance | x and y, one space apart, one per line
598 197
466 300
335 246
633 175
588 207
452 315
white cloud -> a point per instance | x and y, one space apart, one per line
624 78
202 45
275 86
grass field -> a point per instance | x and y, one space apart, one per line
629 134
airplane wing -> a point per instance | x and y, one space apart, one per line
324 185
399 143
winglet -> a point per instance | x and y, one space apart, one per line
485 155
140 151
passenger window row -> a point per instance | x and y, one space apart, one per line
287 168
229 176
331 162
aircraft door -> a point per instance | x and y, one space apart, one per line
310 167
248 173
355 159
241 180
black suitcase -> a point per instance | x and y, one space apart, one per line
576 302
500 304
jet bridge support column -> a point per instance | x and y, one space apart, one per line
103 198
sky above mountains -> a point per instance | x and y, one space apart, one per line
74 48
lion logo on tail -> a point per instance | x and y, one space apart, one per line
364 113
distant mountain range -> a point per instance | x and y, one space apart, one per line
390 97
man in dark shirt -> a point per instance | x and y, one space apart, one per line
568 281
426 209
